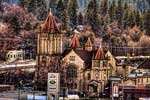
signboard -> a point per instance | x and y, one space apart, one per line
115 90
31 97
53 83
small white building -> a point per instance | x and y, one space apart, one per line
13 55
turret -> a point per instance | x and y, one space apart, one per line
88 45
75 44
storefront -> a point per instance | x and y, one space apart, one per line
136 92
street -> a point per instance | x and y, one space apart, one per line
22 95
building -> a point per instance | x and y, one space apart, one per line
82 69
143 79
134 92
144 66
13 55
143 73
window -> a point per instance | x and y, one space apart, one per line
75 86
138 81
89 76
72 58
96 63
71 72
142 80
105 63
72 85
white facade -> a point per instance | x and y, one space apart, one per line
13 55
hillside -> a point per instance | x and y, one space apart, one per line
139 4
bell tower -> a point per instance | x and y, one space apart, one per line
49 49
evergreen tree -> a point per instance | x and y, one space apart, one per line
126 6
138 18
112 11
38 8
15 25
92 16
32 6
119 12
73 12
104 7
65 16
60 9
125 15
42 9
125 18
80 19
131 19
147 22
24 3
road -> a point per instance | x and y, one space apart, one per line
23 95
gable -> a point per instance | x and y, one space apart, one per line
73 57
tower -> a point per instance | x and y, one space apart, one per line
49 49
97 72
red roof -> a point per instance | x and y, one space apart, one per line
88 42
50 24
100 53
75 42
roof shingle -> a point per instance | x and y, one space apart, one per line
50 24
75 42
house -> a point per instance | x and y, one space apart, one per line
143 73
13 55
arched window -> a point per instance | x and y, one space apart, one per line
71 72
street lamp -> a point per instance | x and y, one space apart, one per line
33 82
20 84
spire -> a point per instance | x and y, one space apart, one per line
88 45
100 53
75 42
50 24
88 42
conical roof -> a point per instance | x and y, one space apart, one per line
99 53
88 42
75 42
50 24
